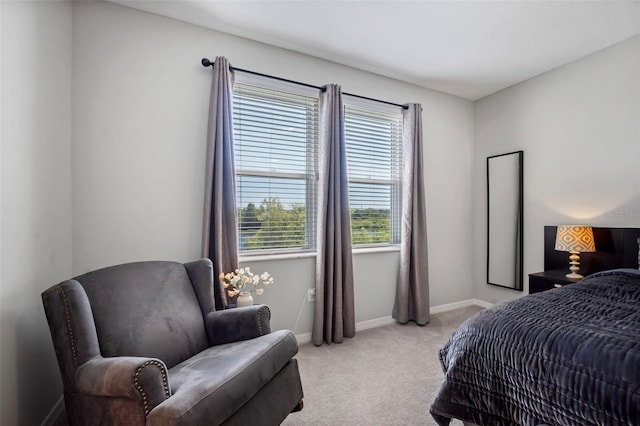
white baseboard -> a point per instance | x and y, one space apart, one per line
303 338
373 323
54 414
379 322
457 305
482 303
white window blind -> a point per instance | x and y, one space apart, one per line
276 148
374 155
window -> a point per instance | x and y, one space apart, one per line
374 144
276 159
276 147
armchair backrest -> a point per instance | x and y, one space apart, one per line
148 309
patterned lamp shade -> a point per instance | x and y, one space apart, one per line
575 238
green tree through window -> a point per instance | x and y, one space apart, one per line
277 227
370 226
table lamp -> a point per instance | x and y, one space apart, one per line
575 239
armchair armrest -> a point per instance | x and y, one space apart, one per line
233 325
139 378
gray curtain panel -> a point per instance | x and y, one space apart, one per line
219 228
334 309
412 291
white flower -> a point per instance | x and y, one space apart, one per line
237 282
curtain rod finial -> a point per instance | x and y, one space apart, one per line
205 62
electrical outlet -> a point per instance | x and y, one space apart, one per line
311 295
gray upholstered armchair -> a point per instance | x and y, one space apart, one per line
142 344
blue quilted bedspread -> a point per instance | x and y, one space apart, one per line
569 356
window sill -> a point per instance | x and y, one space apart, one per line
307 254
382 249
276 256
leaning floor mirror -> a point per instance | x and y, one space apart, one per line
504 220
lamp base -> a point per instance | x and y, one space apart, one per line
574 275
574 265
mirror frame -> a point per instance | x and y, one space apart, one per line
518 285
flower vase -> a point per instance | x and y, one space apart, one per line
244 299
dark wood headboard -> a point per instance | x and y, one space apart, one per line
615 248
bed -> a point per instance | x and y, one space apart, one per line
568 356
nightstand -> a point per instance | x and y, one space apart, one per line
543 281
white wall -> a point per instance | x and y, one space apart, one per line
35 197
140 103
579 127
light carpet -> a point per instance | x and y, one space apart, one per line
383 376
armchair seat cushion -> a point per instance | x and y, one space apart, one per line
216 382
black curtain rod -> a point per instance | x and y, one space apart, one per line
206 63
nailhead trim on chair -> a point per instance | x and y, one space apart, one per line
69 329
260 319
138 386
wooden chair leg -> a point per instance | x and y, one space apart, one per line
298 407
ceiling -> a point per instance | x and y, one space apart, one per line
467 48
